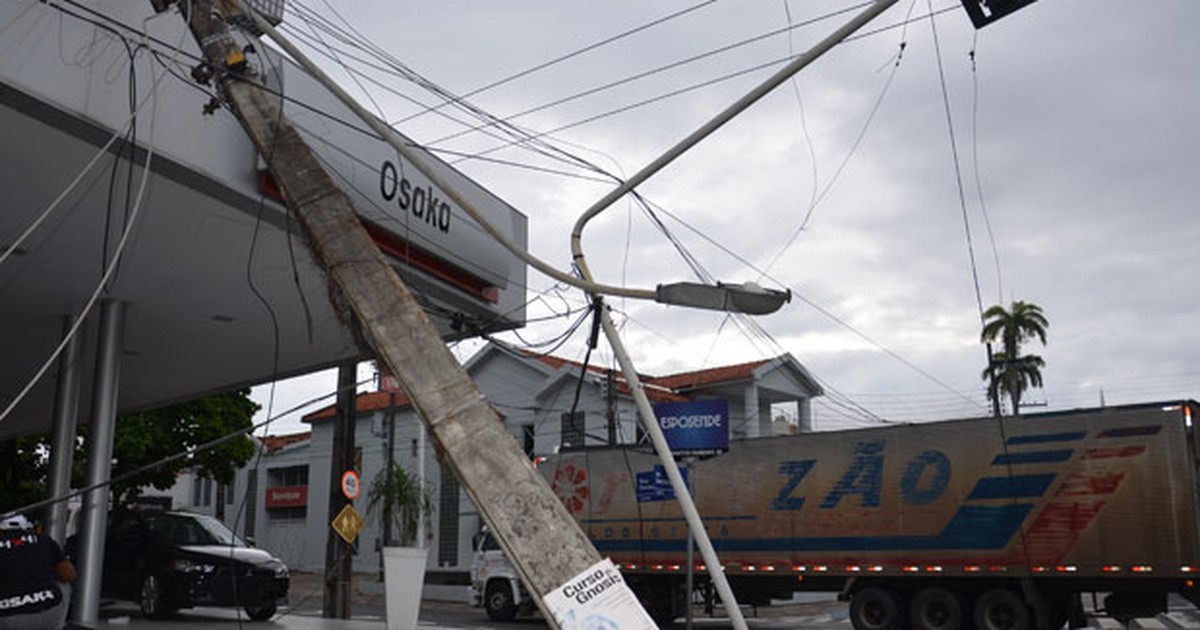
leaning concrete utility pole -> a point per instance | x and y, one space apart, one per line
546 545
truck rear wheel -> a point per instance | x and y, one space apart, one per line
876 608
1001 609
938 608
498 601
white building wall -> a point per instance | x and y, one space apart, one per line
523 392
559 399
297 541
508 387
302 543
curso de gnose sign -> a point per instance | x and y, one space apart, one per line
697 427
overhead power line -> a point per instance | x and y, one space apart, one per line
687 89
575 53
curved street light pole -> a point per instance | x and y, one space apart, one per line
649 422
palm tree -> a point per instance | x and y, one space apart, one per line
1013 377
1008 371
403 501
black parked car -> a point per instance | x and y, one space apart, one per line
171 560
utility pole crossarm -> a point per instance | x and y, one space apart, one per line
543 541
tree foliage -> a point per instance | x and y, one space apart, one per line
142 439
400 497
147 437
1009 372
24 473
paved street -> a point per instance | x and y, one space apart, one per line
442 616
304 611
830 615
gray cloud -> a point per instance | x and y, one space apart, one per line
1087 147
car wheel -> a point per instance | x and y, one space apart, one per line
153 600
261 613
498 602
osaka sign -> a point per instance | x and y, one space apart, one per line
698 427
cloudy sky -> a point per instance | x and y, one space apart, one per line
1078 151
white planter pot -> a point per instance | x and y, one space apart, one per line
404 577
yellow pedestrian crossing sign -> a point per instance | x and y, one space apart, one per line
348 523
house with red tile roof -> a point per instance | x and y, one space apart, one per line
274 443
548 403
759 385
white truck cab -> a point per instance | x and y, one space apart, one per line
495 584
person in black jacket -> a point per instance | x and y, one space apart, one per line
35 578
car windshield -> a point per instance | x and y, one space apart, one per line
192 529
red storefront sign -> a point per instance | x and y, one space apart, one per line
287 496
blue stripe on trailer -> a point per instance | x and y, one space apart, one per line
1067 436
1131 431
666 519
972 527
1033 457
1011 487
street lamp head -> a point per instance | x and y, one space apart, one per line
748 298
752 299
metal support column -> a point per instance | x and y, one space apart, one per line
688 463
804 414
752 424
650 423
94 521
66 414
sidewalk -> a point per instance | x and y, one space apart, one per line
303 610
367 590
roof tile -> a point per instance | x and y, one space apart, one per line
710 376
275 442
365 403
669 388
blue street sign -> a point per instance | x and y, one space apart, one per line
695 427
655 485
